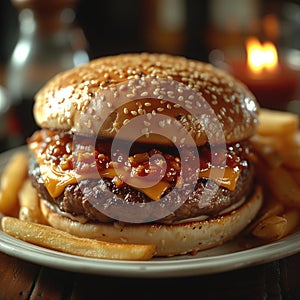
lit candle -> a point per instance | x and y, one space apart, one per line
261 58
271 81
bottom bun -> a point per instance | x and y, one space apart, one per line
170 240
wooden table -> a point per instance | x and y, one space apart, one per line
23 280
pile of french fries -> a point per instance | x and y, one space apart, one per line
277 148
277 157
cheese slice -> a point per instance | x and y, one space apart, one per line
226 177
56 180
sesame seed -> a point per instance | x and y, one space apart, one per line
133 112
161 124
160 109
170 94
89 124
144 94
145 131
131 83
230 119
226 99
122 87
125 110
126 121
198 104
147 104
154 82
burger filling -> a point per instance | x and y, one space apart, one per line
71 177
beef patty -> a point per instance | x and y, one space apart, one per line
81 199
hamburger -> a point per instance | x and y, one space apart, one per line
146 148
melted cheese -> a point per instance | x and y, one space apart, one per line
226 177
56 179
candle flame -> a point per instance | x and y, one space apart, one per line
261 56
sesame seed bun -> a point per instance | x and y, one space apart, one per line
102 96
170 240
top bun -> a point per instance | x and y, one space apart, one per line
99 98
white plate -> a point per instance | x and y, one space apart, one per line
228 257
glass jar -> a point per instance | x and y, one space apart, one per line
49 42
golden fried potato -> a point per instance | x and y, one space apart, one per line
12 179
49 237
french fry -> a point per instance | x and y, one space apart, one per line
283 186
293 220
29 204
271 208
49 237
267 151
277 226
280 123
271 228
12 179
277 145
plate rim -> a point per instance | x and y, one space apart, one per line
156 268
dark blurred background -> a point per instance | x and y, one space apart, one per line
117 26
209 30
188 27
